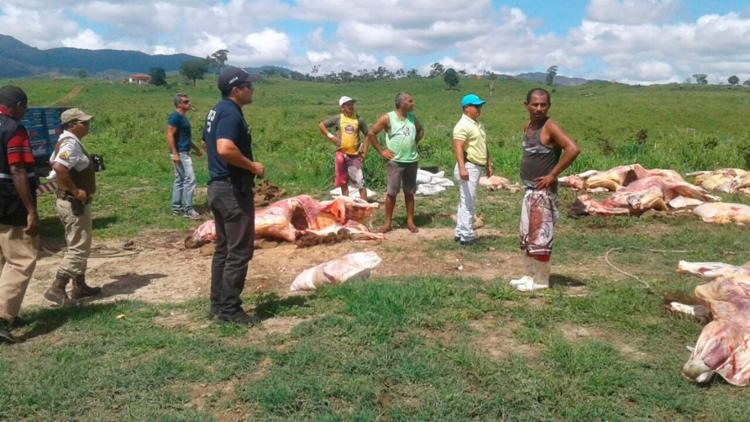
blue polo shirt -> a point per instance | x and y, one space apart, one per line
183 140
226 121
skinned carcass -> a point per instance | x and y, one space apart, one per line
728 180
722 348
614 179
495 182
302 217
650 192
723 212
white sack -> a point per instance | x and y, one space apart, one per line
353 193
349 267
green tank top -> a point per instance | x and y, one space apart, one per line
402 138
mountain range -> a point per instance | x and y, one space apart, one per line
18 60
21 60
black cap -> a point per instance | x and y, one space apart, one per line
232 76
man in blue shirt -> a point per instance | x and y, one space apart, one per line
180 143
230 194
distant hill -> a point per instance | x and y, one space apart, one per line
20 60
541 77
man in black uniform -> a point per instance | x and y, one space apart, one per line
230 194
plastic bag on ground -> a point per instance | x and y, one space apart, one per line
353 193
428 190
349 267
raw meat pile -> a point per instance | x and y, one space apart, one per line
723 212
496 182
724 180
304 220
636 190
722 347
613 179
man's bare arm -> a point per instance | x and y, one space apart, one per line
330 136
458 151
372 137
229 152
420 130
570 151
21 183
171 143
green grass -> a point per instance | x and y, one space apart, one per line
403 348
688 128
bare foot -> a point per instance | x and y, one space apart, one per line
385 229
412 228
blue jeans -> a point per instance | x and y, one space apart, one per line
184 183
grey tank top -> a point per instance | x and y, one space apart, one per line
538 159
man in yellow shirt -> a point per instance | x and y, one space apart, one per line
472 159
350 153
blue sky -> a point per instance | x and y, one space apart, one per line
631 41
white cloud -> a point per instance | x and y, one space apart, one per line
41 29
86 39
400 13
643 41
392 63
265 47
631 11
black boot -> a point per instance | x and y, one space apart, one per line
5 335
56 292
81 289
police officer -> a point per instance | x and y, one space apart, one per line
230 194
76 183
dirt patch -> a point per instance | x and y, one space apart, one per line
495 338
277 326
156 267
70 96
578 333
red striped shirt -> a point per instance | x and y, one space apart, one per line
19 145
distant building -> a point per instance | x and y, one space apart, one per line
138 78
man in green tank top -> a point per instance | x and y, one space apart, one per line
402 134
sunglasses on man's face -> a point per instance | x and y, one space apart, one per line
185 101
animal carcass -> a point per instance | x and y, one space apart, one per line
496 182
723 212
302 217
650 192
724 180
722 347
615 178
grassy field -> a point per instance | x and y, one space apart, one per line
401 348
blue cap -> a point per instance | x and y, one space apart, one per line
471 99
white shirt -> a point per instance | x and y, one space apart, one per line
70 154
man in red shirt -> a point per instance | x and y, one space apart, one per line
18 216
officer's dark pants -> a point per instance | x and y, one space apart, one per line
234 215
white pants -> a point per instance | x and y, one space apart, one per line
467 190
